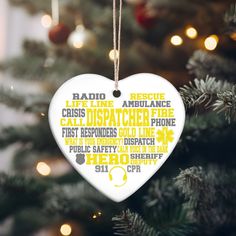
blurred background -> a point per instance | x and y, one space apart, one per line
12 37
191 43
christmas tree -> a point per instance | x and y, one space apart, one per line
191 44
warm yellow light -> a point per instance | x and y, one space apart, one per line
78 37
43 168
42 114
94 216
215 37
112 54
211 42
191 32
176 40
233 36
78 44
66 229
99 213
46 21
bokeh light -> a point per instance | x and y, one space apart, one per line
211 42
176 40
112 54
43 168
46 21
66 229
191 32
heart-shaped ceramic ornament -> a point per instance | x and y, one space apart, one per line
117 143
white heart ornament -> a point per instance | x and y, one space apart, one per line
117 144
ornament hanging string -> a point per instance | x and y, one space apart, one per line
55 12
116 42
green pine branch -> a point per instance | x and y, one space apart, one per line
220 96
27 157
132 224
33 67
165 211
18 192
36 220
76 201
207 192
199 200
203 63
28 103
10 98
158 192
38 137
198 129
